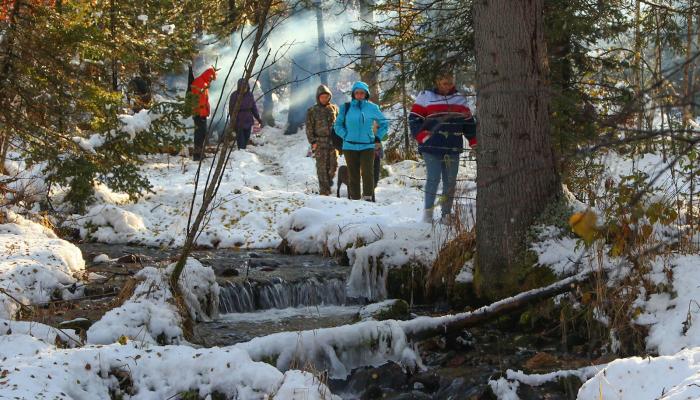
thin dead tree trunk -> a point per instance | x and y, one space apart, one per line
423 328
404 96
516 169
212 186
687 69
658 77
637 64
113 34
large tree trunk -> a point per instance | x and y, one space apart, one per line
368 53
516 170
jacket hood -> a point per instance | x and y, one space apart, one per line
360 85
242 83
209 74
322 89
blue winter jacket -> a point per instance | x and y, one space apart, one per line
356 127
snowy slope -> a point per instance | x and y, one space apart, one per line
35 265
261 188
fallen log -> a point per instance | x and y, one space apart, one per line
341 349
425 327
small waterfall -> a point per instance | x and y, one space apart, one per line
248 296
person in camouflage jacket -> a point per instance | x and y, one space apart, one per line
319 124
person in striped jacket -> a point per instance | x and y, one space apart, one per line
440 120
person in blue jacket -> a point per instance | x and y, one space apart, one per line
356 126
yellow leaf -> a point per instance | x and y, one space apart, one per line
584 225
123 340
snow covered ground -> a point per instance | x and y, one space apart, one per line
670 310
35 265
269 194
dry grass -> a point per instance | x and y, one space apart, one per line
449 262
126 292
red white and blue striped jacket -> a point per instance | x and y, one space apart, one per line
439 122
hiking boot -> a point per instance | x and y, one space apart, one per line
428 216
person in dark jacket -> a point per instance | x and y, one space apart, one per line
243 122
356 126
319 128
440 119
200 109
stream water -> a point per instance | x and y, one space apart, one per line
263 292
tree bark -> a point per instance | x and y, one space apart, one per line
113 34
516 169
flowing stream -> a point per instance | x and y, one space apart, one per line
263 292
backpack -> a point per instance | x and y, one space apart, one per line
190 100
337 140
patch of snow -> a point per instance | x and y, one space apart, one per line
369 311
302 385
674 321
667 377
466 274
276 314
90 144
102 258
150 315
583 374
504 389
35 266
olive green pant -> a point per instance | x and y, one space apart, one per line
360 164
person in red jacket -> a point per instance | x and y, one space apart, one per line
200 110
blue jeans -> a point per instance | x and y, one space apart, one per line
445 168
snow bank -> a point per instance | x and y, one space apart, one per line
303 386
35 265
150 315
152 373
504 389
40 332
673 320
338 350
667 377
26 182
